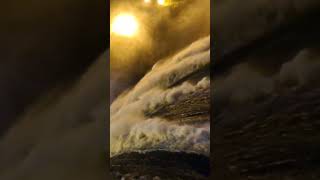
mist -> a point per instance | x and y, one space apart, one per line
159 37
45 44
238 23
64 134
246 85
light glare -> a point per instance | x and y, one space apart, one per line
161 2
124 25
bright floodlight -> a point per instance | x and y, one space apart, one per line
147 1
161 2
124 25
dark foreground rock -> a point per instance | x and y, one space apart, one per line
160 165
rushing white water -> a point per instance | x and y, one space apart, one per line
131 130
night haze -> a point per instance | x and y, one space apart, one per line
160 89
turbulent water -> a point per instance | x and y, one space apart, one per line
132 130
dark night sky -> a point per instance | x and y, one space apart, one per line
44 44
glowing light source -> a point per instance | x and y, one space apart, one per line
161 2
147 1
124 25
